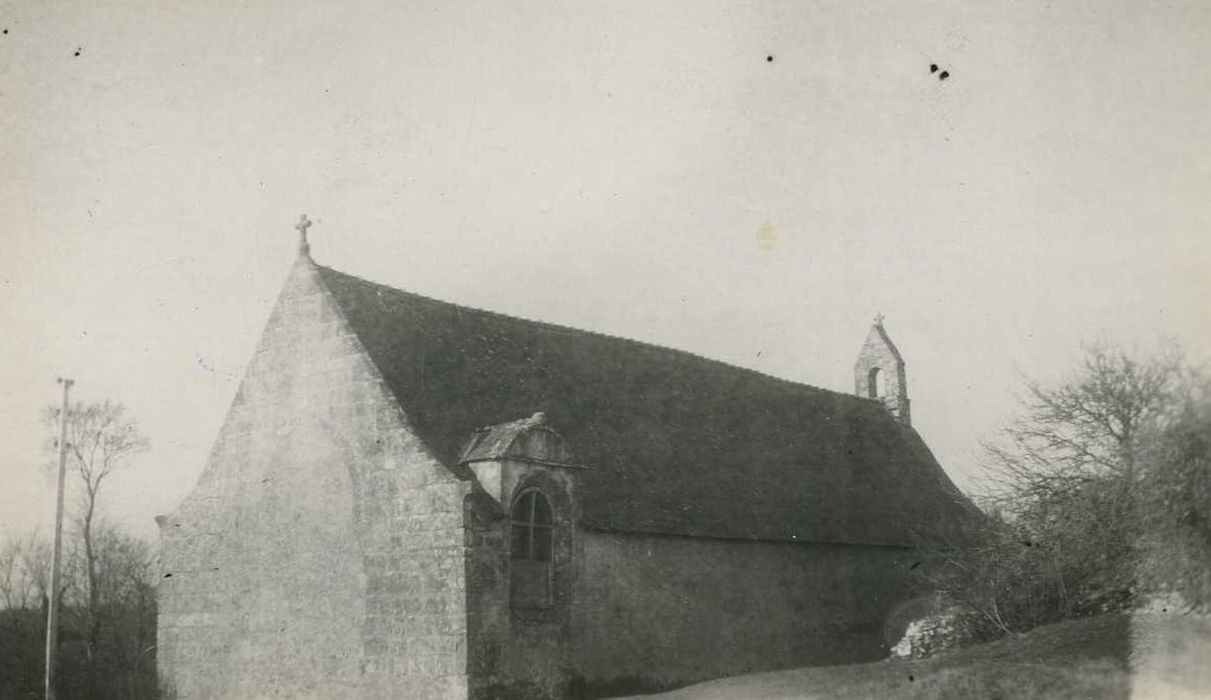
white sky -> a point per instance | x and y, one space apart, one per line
630 167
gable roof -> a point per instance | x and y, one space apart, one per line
673 443
525 440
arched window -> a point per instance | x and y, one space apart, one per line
875 384
531 550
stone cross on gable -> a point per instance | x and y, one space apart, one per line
302 226
879 319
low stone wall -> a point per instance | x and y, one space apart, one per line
934 634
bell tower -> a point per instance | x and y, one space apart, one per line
879 372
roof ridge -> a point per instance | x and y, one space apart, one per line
547 325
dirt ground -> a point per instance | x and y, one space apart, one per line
1170 655
1078 659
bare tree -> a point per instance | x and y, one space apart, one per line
121 664
1063 484
1175 557
974 574
1090 425
24 567
101 438
127 578
1066 471
14 589
24 564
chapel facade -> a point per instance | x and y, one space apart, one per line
414 499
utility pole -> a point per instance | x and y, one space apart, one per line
52 615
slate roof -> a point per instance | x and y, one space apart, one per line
672 442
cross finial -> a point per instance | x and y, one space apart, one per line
302 226
879 319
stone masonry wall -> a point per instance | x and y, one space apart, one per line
656 611
520 653
321 552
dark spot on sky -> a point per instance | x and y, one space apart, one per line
78 50
769 59
6 31
168 575
915 564
933 68
910 678
1028 543
943 75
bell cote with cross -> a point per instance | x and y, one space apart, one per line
879 372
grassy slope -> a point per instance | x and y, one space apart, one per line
1076 659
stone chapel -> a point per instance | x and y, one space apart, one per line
414 499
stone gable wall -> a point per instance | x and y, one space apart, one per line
321 552
877 353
